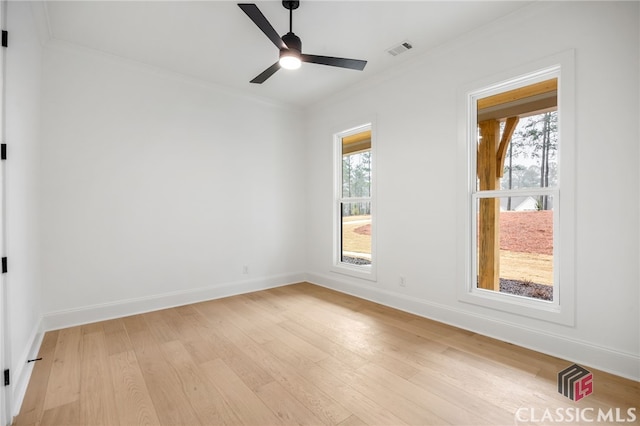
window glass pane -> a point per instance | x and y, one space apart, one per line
356 233
517 140
356 174
528 161
531 160
515 245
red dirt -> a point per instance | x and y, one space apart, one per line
527 232
523 232
363 230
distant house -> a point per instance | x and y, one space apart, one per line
519 204
527 205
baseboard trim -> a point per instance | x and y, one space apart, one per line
22 369
576 351
122 308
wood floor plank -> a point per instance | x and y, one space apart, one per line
493 413
260 310
243 318
426 397
161 325
311 352
201 393
117 337
408 411
287 408
66 414
138 331
204 349
365 408
97 327
317 401
163 382
495 389
499 353
299 354
330 298
427 329
371 348
352 420
246 405
63 387
213 342
97 402
274 301
304 332
134 405
180 320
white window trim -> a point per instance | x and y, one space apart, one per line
562 309
366 272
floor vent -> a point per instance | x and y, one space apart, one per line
401 48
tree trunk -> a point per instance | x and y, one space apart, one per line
546 142
544 159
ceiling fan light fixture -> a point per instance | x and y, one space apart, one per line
290 60
290 45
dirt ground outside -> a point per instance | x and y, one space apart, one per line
526 244
356 235
537 268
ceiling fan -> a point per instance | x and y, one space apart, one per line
290 45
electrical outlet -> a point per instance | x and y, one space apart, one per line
402 282
245 269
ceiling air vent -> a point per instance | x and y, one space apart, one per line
401 48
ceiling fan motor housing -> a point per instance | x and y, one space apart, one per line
292 41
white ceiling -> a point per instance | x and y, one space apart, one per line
216 42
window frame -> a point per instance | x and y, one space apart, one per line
367 272
562 308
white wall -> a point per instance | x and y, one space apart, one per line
416 170
141 189
23 73
157 190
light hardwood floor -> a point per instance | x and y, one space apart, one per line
299 354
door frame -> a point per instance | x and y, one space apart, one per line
6 410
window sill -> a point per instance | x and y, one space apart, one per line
519 305
363 272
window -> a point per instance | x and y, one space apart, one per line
516 168
519 250
353 202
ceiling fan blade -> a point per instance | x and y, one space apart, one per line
266 73
258 18
354 64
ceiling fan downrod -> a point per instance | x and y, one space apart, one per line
291 5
